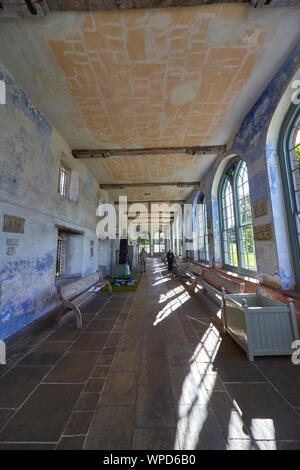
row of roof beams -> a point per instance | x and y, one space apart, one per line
107 153
179 184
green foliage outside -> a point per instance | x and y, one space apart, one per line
297 150
246 245
144 241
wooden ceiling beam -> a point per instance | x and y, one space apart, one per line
107 153
153 219
149 216
149 222
153 202
145 214
178 184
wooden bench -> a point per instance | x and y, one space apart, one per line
214 284
181 269
75 294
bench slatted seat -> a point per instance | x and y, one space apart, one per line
75 294
214 284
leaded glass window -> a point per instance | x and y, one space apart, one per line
246 238
289 151
294 158
236 218
228 232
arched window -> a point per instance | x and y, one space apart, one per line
245 236
236 218
228 224
159 242
203 231
289 151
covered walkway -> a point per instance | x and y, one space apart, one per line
150 370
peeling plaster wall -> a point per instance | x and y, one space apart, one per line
30 155
250 142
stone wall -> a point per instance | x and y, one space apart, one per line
30 154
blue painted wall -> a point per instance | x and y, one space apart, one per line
30 155
250 142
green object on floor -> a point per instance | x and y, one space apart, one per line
127 277
118 270
121 288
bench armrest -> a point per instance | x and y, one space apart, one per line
107 283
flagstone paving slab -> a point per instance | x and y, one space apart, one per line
150 370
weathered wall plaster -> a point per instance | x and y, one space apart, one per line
251 143
30 155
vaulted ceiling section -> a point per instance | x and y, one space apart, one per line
148 78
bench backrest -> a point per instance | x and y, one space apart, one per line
197 270
234 287
72 289
183 265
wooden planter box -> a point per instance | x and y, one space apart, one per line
260 325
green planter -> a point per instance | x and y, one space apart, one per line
260 325
122 288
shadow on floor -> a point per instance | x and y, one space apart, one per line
153 370
222 399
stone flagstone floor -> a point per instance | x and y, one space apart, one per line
150 370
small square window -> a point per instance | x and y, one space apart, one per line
64 181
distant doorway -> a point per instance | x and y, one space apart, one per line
144 242
159 243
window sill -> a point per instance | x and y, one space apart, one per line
245 277
201 263
239 275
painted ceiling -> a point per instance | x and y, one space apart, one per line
148 78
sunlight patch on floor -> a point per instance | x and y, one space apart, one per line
264 429
161 277
171 293
161 281
171 307
208 346
192 417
